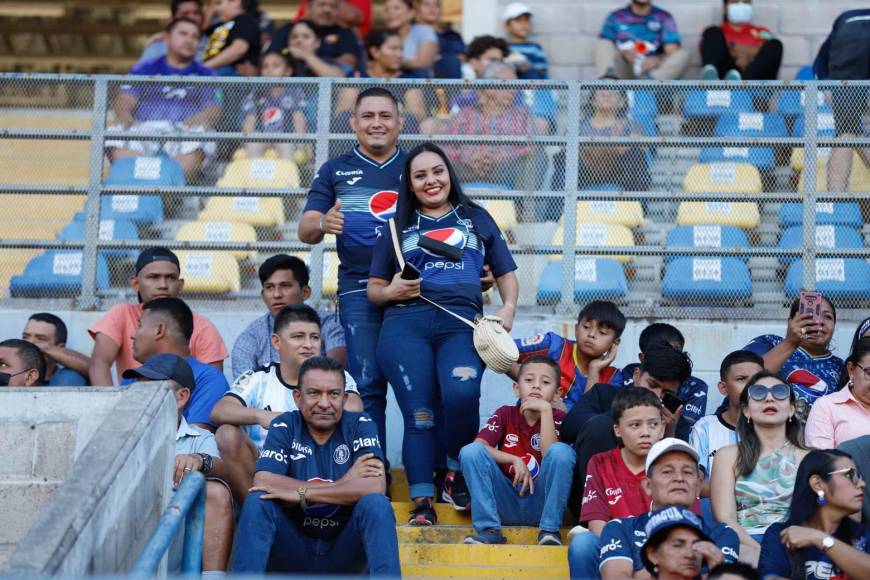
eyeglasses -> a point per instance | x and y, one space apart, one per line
849 473
760 392
865 370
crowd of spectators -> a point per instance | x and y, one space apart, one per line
294 445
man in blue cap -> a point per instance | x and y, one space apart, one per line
195 450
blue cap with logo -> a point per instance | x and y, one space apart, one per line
164 367
665 519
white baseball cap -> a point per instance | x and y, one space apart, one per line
515 10
667 445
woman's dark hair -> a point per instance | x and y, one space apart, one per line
303 22
861 329
859 350
797 301
804 500
376 38
748 444
741 569
407 203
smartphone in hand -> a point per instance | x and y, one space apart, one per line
409 272
671 402
810 302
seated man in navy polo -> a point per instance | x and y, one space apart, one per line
318 503
672 479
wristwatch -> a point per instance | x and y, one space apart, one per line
302 502
206 462
827 543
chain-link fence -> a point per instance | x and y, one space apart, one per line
680 199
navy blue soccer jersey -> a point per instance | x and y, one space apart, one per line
368 192
291 451
452 283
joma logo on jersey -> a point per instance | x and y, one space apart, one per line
365 442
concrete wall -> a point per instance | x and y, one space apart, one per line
568 29
86 475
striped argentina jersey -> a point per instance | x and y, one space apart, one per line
368 191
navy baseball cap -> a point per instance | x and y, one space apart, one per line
164 367
665 519
155 254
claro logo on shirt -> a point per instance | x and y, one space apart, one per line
365 442
613 544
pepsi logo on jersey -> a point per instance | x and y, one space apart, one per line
382 205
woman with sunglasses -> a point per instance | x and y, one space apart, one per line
753 480
844 415
818 540
803 356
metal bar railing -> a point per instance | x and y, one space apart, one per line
186 507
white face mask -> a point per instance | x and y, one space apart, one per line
739 13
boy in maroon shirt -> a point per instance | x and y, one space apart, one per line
613 478
517 471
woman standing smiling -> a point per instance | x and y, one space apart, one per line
426 353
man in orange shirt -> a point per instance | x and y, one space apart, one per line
158 275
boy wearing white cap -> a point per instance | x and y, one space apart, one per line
528 57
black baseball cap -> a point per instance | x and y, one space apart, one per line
164 367
155 254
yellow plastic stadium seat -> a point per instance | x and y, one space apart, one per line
598 235
797 157
724 213
209 272
268 172
503 212
722 178
18 229
256 211
44 162
12 263
49 207
626 213
219 232
859 179
330 270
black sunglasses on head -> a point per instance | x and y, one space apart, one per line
778 392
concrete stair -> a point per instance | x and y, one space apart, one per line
439 551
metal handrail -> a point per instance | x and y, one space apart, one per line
187 507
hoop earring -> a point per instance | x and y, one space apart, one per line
821 499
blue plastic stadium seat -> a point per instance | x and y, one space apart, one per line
109 230
709 278
841 213
641 103
594 278
646 121
805 73
706 236
717 102
824 125
748 124
760 157
835 277
140 171
56 272
791 103
136 209
827 236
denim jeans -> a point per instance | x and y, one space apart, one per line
267 540
494 501
362 324
429 358
583 556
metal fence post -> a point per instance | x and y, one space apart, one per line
321 155
811 112
194 528
569 210
88 298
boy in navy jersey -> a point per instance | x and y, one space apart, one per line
518 444
318 504
352 197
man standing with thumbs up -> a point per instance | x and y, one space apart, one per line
352 197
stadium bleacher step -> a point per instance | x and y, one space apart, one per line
481 561
441 534
488 572
446 514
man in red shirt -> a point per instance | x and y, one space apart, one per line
613 478
516 470
739 49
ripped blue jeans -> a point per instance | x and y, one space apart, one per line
429 359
